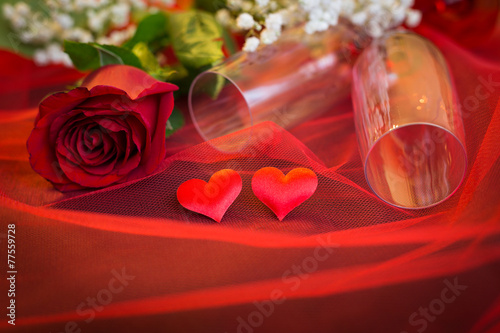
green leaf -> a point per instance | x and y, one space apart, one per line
180 72
92 56
215 90
229 42
175 122
150 29
146 57
150 63
84 56
210 5
196 38
110 54
163 74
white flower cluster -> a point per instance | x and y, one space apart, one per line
265 19
48 23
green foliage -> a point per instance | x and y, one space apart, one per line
210 5
196 38
84 56
150 63
92 56
151 30
175 122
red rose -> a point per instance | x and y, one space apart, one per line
108 131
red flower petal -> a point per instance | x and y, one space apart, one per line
59 103
133 81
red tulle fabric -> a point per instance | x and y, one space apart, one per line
343 261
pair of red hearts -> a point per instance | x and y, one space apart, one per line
278 192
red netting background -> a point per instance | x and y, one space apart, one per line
363 266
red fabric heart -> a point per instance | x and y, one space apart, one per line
211 199
283 193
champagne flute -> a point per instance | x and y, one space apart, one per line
409 128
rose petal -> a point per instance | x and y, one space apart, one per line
133 81
82 177
64 146
59 103
91 155
118 125
40 146
128 165
140 135
64 122
43 157
158 148
68 186
119 103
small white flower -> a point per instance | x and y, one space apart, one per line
374 29
18 22
387 3
374 9
262 3
247 6
309 5
251 44
22 9
407 3
234 4
316 14
223 16
413 18
289 16
40 31
54 52
359 18
139 4
120 15
40 57
117 37
332 18
245 21
27 36
78 35
347 7
66 60
96 20
398 15
274 22
65 21
80 5
104 40
268 36
65 4
315 26
8 10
